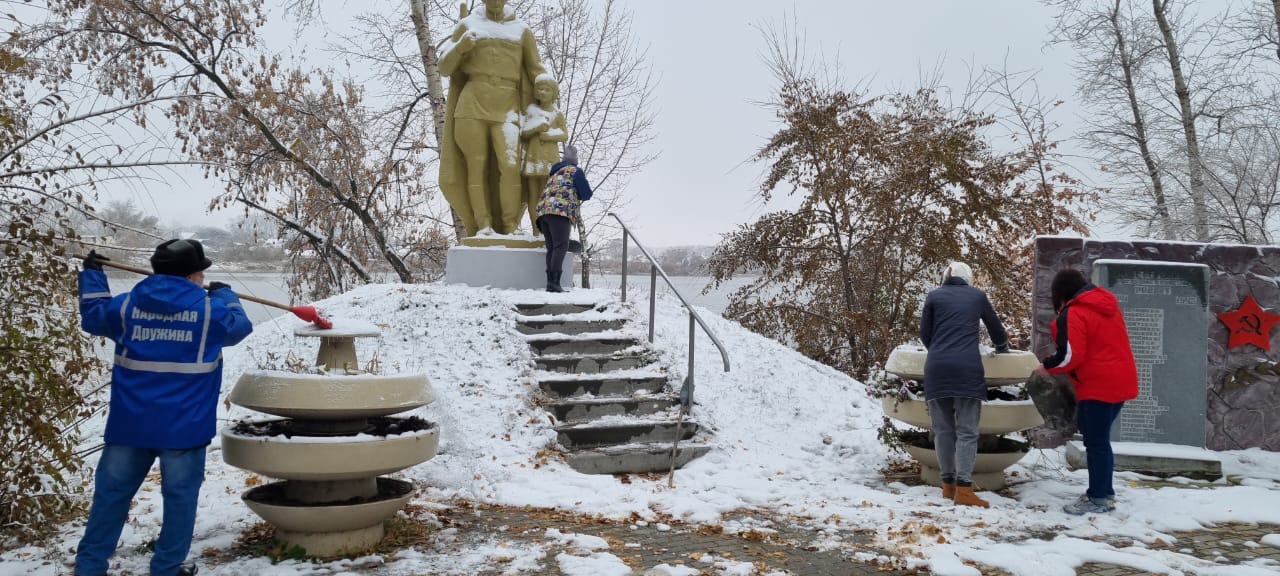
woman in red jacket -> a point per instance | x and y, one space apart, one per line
1093 351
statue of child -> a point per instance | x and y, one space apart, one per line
543 128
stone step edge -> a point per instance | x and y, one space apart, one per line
634 374
585 316
638 388
552 396
548 403
560 308
623 347
644 355
644 447
594 304
649 459
627 423
621 335
541 376
603 400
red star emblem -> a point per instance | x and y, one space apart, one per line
1249 324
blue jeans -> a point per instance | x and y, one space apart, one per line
955 437
1095 418
121 471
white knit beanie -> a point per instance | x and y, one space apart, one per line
960 270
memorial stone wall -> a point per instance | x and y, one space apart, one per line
1239 412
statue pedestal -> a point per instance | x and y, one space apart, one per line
500 267
504 241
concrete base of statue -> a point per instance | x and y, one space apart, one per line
505 241
507 268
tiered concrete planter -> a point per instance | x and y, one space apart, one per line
339 435
907 361
328 459
998 418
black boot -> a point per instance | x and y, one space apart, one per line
553 282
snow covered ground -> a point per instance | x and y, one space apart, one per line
793 439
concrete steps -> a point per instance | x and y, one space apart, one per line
591 363
544 309
570 327
593 408
635 458
615 408
605 385
592 435
555 343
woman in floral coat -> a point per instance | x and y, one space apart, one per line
558 211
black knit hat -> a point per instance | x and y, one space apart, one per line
179 258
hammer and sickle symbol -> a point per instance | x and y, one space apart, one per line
1250 324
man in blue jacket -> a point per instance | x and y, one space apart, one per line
954 381
169 333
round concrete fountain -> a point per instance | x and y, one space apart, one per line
336 434
995 451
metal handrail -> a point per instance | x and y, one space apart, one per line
686 392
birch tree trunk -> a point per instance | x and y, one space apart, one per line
1140 125
435 87
1275 6
606 94
1194 167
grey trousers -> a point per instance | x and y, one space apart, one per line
955 437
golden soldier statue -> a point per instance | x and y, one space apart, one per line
491 60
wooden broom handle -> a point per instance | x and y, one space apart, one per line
145 272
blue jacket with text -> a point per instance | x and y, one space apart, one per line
169 334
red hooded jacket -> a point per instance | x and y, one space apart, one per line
1093 347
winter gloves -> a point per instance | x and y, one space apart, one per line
94 261
1000 349
217 286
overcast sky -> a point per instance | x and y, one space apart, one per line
711 77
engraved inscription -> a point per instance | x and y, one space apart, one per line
1166 313
1146 336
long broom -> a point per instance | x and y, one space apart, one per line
308 313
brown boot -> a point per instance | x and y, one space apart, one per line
949 490
966 497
